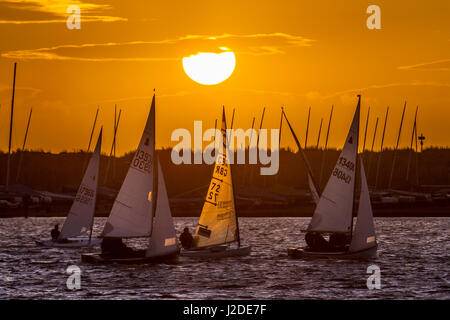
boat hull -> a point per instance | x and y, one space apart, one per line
220 252
71 243
101 259
368 253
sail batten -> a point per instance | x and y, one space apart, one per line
132 212
334 210
81 215
218 222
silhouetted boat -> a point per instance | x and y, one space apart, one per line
80 219
218 225
141 209
334 211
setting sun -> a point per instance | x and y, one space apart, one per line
209 68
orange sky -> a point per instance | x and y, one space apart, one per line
296 53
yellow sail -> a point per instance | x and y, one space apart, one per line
217 223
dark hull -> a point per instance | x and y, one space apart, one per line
368 253
211 253
101 259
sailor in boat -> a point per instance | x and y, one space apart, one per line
339 241
186 239
114 247
55 233
317 243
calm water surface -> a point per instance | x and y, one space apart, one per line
413 255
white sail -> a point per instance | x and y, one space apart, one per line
364 234
217 223
131 214
335 208
81 215
163 239
313 190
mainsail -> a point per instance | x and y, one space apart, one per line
335 208
163 239
81 215
218 221
364 234
131 214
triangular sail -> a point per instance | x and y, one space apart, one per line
335 208
313 190
364 234
131 214
81 215
217 223
163 239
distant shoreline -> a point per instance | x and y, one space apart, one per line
296 211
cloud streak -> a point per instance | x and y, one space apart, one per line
315 95
437 65
56 11
250 44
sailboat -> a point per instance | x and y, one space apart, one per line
141 209
80 220
335 210
218 226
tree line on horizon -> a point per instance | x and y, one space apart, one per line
62 172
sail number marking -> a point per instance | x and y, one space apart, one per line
221 170
343 162
85 195
142 161
213 192
342 175
346 165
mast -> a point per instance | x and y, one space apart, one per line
365 131
215 138
326 144
249 146
307 128
23 146
257 140
305 160
281 125
381 148
238 235
93 128
96 193
90 140
112 146
11 129
356 168
251 135
279 142
260 126
411 145
371 149
155 165
396 147
318 136
417 155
